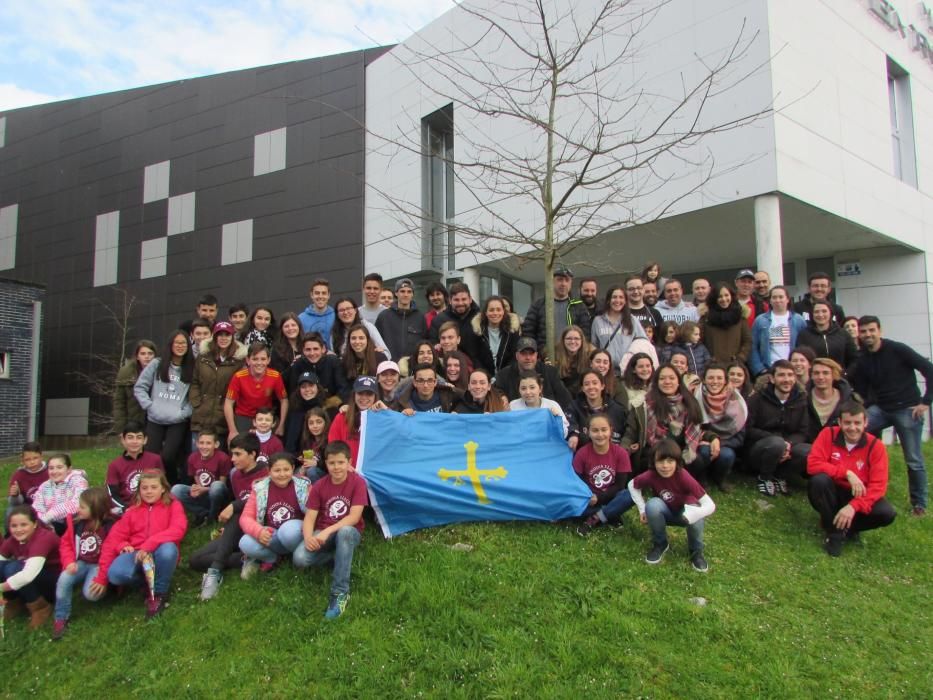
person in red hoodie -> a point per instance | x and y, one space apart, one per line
154 524
848 470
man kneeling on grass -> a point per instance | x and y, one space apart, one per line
848 470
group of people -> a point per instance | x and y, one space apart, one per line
254 424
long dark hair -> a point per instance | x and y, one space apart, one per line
355 366
719 317
148 344
339 332
659 403
281 346
466 368
626 312
307 440
610 379
97 500
187 360
413 358
632 380
484 323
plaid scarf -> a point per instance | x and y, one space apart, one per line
685 433
724 413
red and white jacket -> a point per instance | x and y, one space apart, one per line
868 460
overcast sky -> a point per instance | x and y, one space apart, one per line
56 49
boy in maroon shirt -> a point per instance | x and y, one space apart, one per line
123 472
263 425
26 480
208 469
333 523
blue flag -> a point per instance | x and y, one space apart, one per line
433 468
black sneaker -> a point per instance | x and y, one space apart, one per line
699 563
656 554
766 487
584 528
853 536
833 543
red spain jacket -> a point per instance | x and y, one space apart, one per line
868 460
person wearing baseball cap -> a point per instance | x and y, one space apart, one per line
402 325
388 376
346 426
567 311
745 292
526 358
219 358
308 394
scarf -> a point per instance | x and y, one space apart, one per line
723 318
678 428
725 414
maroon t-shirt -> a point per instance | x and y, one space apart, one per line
43 543
89 542
676 491
29 482
282 505
271 446
204 472
333 502
241 483
124 471
600 471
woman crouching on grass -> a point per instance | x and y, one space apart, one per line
155 524
29 566
272 516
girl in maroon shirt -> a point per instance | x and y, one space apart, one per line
29 566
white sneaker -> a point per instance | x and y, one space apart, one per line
250 569
210 583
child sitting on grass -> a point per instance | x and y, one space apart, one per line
678 500
606 468
79 550
272 516
208 469
123 472
29 566
57 498
333 524
25 481
312 443
155 524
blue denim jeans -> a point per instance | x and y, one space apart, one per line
83 577
660 516
284 541
910 433
339 548
126 571
208 504
716 469
42 586
614 509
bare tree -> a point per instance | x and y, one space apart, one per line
103 366
600 151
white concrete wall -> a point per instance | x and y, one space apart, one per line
398 96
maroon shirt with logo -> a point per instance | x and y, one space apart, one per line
43 543
89 542
676 491
600 471
124 471
242 482
333 502
29 482
282 505
204 472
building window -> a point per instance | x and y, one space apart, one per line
8 219
236 242
2 132
902 124
153 258
180 214
155 182
269 152
106 245
5 359
438 250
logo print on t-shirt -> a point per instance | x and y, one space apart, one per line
280 514
88 545
338 509
205 478
134 481
666 495
602 478
31 493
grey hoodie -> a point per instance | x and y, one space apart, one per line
164 403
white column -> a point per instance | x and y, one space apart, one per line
471 279
768 246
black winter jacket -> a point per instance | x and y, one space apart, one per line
768 416
535 325
834 343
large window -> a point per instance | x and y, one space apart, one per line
902 124
438 250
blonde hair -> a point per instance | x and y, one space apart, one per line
158 475
834 366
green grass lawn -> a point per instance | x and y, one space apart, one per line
532 611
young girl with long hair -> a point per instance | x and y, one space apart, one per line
261 327
29 566
499 330
593 399
614 330
572 357
481 396
219 359
457 370
286 347
348 315
57 498
79 550
346 425
312 443
606 468
360 359
162 391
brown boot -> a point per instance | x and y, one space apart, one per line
13 608
39 612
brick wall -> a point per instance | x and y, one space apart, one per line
16 328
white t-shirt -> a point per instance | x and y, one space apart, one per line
519 405
779 336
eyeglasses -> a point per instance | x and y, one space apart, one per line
425 381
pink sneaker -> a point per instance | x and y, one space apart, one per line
58 630
154 606
267 566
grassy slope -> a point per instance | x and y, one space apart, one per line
531 610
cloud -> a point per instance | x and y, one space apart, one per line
13 96
81 47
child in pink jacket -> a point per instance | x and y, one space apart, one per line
57 498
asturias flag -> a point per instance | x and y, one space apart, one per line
433 468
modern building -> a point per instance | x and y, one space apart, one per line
244 185
20 343
838 178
